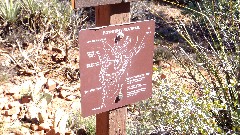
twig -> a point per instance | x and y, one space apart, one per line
6 54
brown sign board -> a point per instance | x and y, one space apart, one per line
115 66
90 3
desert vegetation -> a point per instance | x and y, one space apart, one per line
196 72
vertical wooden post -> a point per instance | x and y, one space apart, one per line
73 4
112 122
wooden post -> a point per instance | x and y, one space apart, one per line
73 4
112 122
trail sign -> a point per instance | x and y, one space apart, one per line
115 65
90 3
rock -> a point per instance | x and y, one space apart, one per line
17 96
7 119
44 126
14 116
62 124
14 104
3 102
70 97
33 112
69 133
27 125
39 132
45 90
64 93
50 115
57 117
51 84
14 110
42 116
2 89
26 86
76 105
34 127
13 90
5 107
39 84
52 132
163 76
25 99
81 132
6 113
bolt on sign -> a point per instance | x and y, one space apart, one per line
115 65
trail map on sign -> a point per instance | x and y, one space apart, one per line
115 66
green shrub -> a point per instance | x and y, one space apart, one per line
218 53
9 10
213 37
174 110
77 122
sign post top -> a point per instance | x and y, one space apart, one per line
90 3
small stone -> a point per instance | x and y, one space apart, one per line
25 99
162 76
51 84
33 112
62 124
2 106
6 107
14 110
64 94
17 96
57 117
14 116
34 127
42 116
51 132
70 97
76 105
6 113
7 119
81 132
14 90
27 125
69 133
39 132
50 115
44 126
45 90
26 86
13 104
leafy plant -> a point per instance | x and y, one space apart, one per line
219 26
76 122
9 10
213 107
31 6
173 110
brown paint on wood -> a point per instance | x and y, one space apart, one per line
117 121
112 122
73 4
102 123
90 3
112 14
